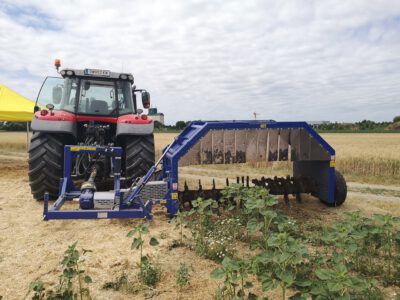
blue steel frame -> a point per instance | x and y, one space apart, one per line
133 207
197 129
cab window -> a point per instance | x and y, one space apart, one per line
97 98
59 92
124 97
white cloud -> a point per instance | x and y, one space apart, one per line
287 60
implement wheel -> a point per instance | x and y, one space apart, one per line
138 156
340 190
46 158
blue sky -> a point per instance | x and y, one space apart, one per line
286 60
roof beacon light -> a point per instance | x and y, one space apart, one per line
57 63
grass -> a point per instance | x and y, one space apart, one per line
376 191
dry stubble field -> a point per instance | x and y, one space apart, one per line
31 248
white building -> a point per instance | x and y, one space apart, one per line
155 115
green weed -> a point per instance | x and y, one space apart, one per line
234 274
71 276
182 276
149 272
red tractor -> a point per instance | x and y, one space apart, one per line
88 107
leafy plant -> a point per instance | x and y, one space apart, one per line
149 273
71 273
38 289
182 276
234 196
366 245
234 274
137 243
213 236
202 224
204 210
390 244
339 265
258 206
180 221
279 263
337 283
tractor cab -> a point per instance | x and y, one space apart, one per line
91 92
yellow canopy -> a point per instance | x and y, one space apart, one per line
14 107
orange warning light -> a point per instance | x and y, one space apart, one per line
57 63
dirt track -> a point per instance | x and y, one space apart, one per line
31 248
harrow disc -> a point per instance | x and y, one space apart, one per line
277 186
284 186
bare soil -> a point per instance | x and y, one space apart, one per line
31 248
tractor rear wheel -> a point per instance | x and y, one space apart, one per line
46 158
138 156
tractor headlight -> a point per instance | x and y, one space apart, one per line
62 73
130 77
70 73
123 76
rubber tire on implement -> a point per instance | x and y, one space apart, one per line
340 190
46 158
138 157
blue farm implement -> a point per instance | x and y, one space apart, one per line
200 143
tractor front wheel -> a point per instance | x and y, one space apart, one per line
46 157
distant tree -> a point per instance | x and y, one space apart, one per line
158 125
396 119
180 125
13 126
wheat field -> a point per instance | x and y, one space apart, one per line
369 157
363 157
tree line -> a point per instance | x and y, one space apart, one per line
180 125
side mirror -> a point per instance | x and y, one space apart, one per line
146 99
36 108
57 94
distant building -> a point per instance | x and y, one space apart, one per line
318 122
315 124
155 115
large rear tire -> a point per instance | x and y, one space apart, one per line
46 158
138 157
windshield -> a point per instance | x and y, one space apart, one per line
96 97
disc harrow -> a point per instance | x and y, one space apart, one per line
284 186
